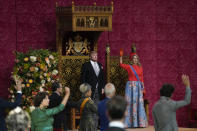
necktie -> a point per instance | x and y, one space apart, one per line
96 68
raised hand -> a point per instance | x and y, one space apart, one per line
186 81
18 82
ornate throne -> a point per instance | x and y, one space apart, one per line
77 31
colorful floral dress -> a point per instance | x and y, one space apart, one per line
136 116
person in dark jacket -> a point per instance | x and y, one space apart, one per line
92 73
11 105
109 93
60 119
116 110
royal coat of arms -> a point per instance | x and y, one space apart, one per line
78 46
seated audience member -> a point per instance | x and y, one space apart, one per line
116 110
164 111
88 109
18 120
56 99
42 118
5 104
109 93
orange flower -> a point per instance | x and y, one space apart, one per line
27 85
30 81
34 93
26 59
46 59
42 66
32 69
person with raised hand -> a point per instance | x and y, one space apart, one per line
41 117
164 111
4 104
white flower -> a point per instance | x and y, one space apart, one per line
36 69
43 85
32 108
45 74
54 72
41 89
51 57
33 58
43 81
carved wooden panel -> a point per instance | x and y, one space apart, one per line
70 74
118 76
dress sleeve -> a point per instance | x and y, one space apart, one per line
32 125
125 66
54 110
93 107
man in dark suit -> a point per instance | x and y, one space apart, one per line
109 93
60 120
5 104
92 73
116 110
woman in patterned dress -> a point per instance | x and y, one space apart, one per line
136 116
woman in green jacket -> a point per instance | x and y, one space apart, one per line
42 118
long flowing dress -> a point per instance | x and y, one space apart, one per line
87 122
136 116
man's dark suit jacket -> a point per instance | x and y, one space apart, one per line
88 75
60 119
104 122
5 104
115 129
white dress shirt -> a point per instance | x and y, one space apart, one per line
116 124
95 66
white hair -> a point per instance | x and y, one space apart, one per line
84 88
18 120
109 89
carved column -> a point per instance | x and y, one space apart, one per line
108 62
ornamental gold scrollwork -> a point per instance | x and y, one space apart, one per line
78 47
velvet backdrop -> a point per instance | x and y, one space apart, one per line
165 33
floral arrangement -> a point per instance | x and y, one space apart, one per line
37 70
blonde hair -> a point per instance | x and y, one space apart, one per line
138 63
